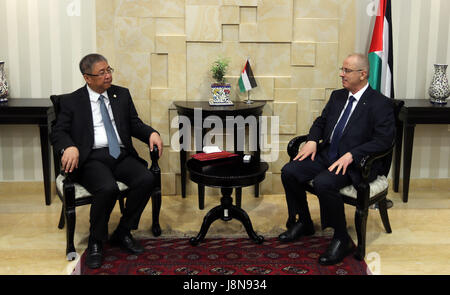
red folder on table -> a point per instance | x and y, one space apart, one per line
203 157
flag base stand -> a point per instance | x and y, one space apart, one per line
248 101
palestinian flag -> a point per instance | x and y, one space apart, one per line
247 81
381 53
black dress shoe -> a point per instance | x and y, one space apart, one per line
336 252
296 231
126 242
290 222
94 255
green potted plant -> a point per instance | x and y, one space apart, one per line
220 89
219 69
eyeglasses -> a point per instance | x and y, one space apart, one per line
348 71
102 73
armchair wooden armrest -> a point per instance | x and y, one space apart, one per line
366 162
294 145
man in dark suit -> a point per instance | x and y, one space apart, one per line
93 133
356 121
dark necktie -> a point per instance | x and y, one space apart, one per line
333 151
113 142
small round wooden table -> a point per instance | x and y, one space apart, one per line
226 175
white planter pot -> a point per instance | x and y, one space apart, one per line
220 94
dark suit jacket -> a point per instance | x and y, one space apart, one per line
370 129
74 126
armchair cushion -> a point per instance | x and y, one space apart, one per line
80 191
377 186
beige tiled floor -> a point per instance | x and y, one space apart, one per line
31 243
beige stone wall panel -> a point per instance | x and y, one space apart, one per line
248 32
149 8
177 73
316 30
171 44
272 59
172 8
283 158
160 117
134 8
277 185
274 20
318 94
160 66
104 41
241 2
237 53
230 15
316 8
168 184
285 94
143 108
248 15
264 90
105 15
135 34
172 26
303 54
326 73
203 23
174 161
282 82
230 33
286 111
265 187
302 77
205 2
200 57
133 71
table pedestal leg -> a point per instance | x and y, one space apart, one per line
408 141
238 197
183 172
226 211
46 162
397 155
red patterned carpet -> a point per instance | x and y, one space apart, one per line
234 256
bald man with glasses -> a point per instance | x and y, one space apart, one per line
93 132
356 121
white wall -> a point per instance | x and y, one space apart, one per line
421 31
41 42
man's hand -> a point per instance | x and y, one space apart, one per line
69 160
342 163
309 149
156 139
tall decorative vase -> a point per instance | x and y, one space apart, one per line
3 83
439 90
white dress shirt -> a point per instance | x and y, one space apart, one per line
100 139
357 97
